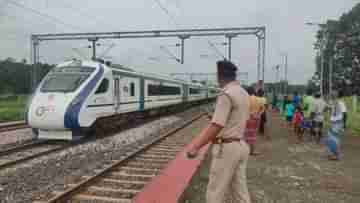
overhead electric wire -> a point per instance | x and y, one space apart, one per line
102 55
44 15
27 22
167 51
177 4
167 12
217 51
85 14
23 34
77 50
14 36
52 19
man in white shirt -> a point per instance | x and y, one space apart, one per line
317 110
339 112
343 107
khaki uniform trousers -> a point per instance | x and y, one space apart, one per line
228 173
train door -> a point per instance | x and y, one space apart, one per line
117 94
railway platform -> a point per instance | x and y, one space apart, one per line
288 172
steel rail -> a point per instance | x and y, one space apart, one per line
22 147
12 126
33 156
68 194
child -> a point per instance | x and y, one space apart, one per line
306 125
284 103
298 118
289 112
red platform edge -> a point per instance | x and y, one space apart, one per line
171 183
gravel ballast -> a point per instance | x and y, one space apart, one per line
15 137
37 178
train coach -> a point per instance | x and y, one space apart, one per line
75 95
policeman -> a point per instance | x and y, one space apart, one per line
226 131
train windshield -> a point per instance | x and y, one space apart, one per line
66 79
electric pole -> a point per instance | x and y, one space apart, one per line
93 46
286 73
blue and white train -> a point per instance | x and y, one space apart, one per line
75 94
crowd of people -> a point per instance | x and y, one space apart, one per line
306 115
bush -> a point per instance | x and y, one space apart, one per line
12 108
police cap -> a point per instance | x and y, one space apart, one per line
226 68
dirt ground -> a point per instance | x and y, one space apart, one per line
287 172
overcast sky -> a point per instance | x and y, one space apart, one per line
284 21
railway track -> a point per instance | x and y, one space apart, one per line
124 178
19 148
26 152
38 148
10 126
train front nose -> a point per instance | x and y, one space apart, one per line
47 111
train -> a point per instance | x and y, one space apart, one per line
74 95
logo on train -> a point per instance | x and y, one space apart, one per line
51 98
40 111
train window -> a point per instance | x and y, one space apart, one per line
73 69
63 82
162 90
132 89
194 91
153 90
169 90
103 87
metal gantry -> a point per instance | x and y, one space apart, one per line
182 34
243 77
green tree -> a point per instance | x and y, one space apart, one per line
343 46
15 76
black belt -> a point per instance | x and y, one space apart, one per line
226 140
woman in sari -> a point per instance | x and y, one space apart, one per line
252 123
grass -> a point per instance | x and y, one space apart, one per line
353 118
12 109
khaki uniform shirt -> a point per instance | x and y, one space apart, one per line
232 110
